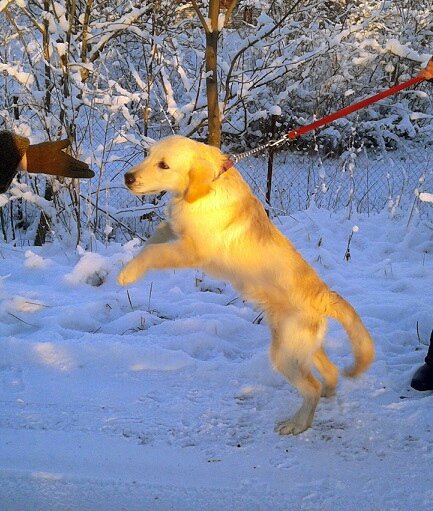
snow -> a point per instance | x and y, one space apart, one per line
21 77
426 197
275 110
161 396
404 51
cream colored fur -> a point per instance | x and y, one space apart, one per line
215 223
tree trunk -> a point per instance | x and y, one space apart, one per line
44 224
85 38
214 119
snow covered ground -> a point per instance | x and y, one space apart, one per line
161 396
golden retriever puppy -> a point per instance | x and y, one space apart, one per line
215 223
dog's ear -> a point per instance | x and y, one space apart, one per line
200 177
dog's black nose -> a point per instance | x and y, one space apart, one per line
129 179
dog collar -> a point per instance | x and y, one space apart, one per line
228 164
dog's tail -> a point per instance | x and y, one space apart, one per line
362 343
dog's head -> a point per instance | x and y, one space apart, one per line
178 165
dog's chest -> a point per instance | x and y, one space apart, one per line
210 228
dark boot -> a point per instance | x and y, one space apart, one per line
423 377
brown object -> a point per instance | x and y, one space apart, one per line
48 158
12 149
45 158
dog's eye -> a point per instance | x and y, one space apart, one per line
163 165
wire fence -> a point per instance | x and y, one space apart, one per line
359 181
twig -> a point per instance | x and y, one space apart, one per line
129 299
19 319
258 319
150 296
417 332
112 217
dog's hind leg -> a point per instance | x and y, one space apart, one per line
328 371
294 344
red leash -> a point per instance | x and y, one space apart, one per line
353 108
424 74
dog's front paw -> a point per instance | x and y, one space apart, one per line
126 276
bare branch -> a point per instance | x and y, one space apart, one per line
230 8
200 16
251 44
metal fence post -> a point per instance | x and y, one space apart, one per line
270 164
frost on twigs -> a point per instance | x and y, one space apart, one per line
348 255
426 197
